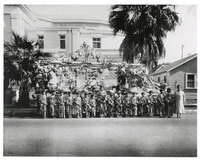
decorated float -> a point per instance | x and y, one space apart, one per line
80 74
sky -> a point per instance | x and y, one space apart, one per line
185 34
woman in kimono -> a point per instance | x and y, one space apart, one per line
179 100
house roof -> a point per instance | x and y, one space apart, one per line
175 64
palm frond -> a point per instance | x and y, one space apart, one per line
145 27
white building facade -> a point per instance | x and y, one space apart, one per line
61 35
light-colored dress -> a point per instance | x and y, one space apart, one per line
180 98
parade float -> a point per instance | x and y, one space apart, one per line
87 70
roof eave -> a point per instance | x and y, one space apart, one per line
182 63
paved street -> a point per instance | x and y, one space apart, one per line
101 137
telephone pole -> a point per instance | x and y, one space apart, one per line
182 47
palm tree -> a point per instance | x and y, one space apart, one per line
19 65
144 27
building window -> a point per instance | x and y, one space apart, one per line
41 41
191 81
62 41
158 79
165 79
96 42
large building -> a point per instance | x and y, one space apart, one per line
62 35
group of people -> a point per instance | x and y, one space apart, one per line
59 104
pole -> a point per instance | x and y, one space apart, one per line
182 47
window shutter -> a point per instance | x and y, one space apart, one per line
185 80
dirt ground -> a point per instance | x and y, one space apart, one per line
143 137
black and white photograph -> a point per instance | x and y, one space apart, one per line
99 80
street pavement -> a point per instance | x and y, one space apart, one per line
143 137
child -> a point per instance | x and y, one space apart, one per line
92 103
86 107
142 104
52 104
69 108
160 100
44 104
150 104
110 104
61 105
169 102
134 101
78 104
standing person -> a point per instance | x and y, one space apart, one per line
179 99
85 105
126 105
156 106
69 104
98 107
151 103
169 102
142 104
74 107
44 104
52 103
101 104
39 95
161 103
110 104
61 105
92 103
117 105
65 100
134 101
78 105
102 96
56 107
